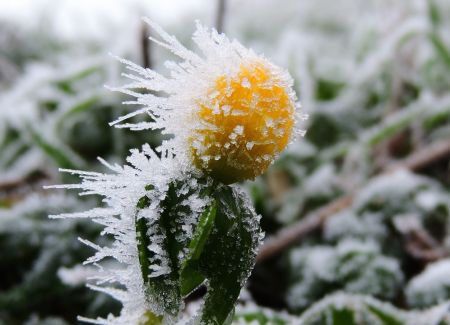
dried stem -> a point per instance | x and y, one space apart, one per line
315 219
145 46
220 18
422 246
424 157
21 183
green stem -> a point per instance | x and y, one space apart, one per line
142 240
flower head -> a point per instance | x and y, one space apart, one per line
230 111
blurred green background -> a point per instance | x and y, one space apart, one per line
373 75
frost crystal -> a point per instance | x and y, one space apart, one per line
121 192
230 111
229 114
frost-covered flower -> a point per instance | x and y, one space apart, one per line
230 111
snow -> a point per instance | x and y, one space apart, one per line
430 287
322 181
359 59
356 265
400 183
432 199
347 223
77 275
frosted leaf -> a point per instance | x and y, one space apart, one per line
430 287
121 191
259 314
352 266
432 199
322 181
347 223
392 188
362 308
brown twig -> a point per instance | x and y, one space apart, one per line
314 220
220 18
426 255
424 157
419 243
383 151
16 190
26 182
422 246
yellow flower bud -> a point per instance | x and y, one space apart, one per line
227 112
244 123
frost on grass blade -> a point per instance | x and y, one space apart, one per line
352 265
431 286
351 309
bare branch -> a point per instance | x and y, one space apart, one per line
425 157
314 220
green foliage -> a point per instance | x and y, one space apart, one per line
360 118
261 316
353 266
33 251
53 114
190 275
221 251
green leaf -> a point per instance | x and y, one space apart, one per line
203 230
190 276
440 48
260 318
143 240
328 89
80 107
66 84
229 254
221 250
163 289
59 155
386 318
343 317
433 12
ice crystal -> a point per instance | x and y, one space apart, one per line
230 111
121 191
229 114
